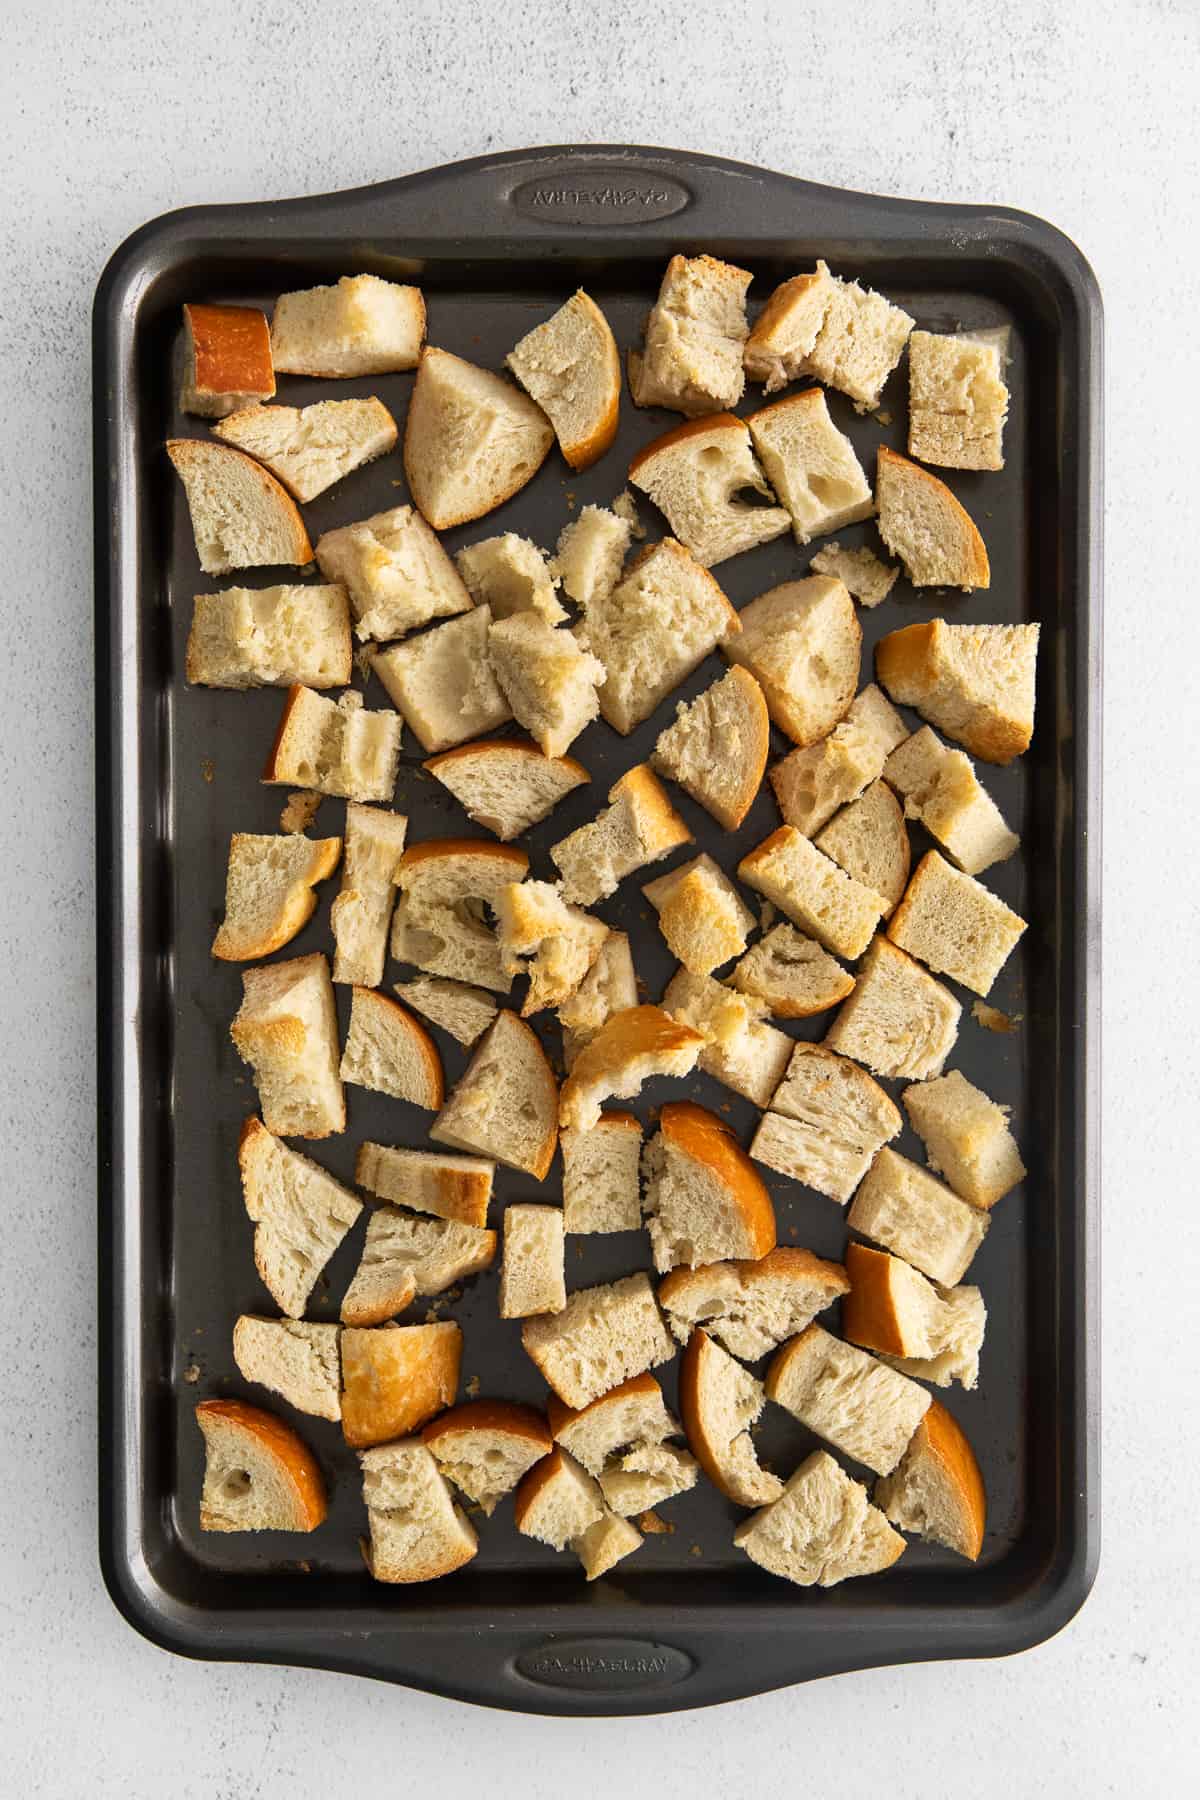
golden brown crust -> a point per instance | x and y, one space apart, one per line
486 847
529 1488
775 312
395 1377
562 1416
378 1312
293 698
652 801
399 1018
581 454
503 747
462 1194
699 1134
195 452
270 1437
975 571
624 1038
700 1348
231 352
505 1416
940 1437
679 434
806 398
787 1261
299 905
869 1314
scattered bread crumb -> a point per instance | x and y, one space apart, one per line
473 1388
300 811
992 1019
192 1373
653 1526
625 507
883 418
305 1568
571 498
695 1550
207 768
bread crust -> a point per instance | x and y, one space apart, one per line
507 1416
432 848
639 1031
787 1260
679 434
691 1408
193 453
230 350
271 1439
561 1416
869 1315
974 570
395 1377
299 905
399 1017
529 1489
701 1136
941 1444
508 747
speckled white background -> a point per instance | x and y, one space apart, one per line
1085 112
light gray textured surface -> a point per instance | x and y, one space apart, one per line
1085 112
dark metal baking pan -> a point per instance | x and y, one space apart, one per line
496 243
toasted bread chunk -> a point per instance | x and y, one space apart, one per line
298 1362
271 637
955 925
417 1532
603 1336
898 1020
750 1307
933 1333
811 784
405 1256
259 1474
629 1048
336 747
557 1501
269 894
868 840
810 465
472 439
464 1011
640 826
395 1377
601 1175
390 1051
227 360
445 885
609 986
916 1217
704 1201
621 1440
449 1187
966 1138
287 1030
847 336
923 524
570 365
939 787
362 912
549 682
590 554
657 626
533 1274
748 1055
822 1530
787 328
810 888
505 785
692 359
542 937
242 518
717 748
696 475
362 325
300 1215
826 1122
975 682
855 1403
395 571
605 1544
720 1401
803 642
791 974
309 448
937 1490
957 401
505 1104
868 580
701 915
485 1446
509 574
443 682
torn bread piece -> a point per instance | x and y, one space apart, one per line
922 523
590 554
940 788
811 465
720 1401
717 747
639 826
810 888
440 921
449 1187
287 1030
791 974
827 1120
533 1273
868 580
966 1138
930 1332
740 1049
416 1531
485 1446
390 1051
362 912
659 623
472 439
560 1504
571 366
868 839
506 785
601 1182
510 575
544 938
803 642
898 1020
259 1474
810 784
957 401
903 1208
750 1307
602 1336
822 1530
404 1257
703 919
937 1490
395 1377
300 1215
548 680
269 894
609 986
361 325
629 1048
955 925
297 1361
464 1011
704 1201
976 683
309 448
443 683
227 360
395 571
271 637
505 1104
854 1402
847 336
782 337
697 476
691 361
605 1544
242 518
621 1440
336 747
